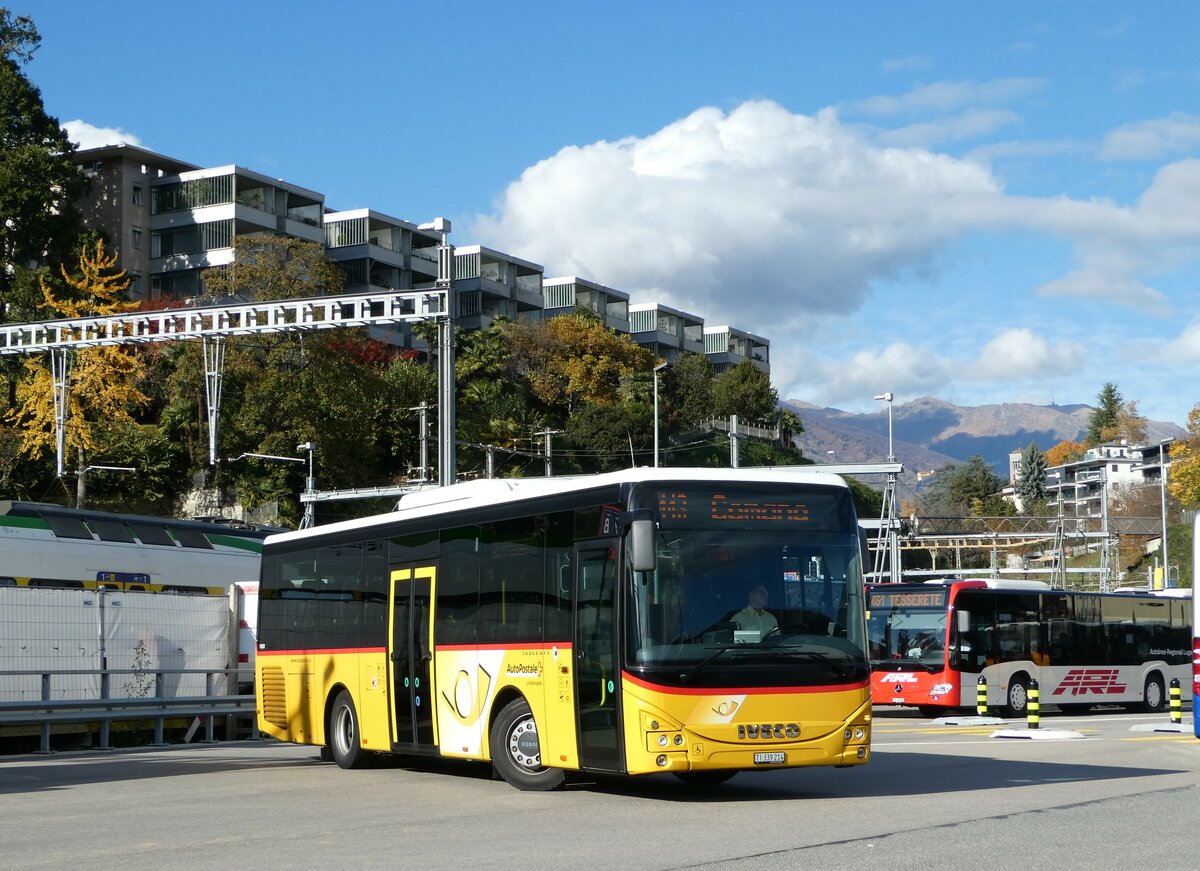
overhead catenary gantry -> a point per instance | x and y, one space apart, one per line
215 323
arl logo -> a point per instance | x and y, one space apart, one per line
1099 681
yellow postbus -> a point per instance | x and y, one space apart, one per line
693 621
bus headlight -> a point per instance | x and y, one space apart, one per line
940 689
663 741
859 733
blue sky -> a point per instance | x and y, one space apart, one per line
983 202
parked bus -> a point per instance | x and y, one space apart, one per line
65 548
1196 625
588 624
930 643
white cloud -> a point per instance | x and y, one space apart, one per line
756 217
942 97
1013 360
1178 133
909 63
765 219
1186 348
1019 354
86 135
966 125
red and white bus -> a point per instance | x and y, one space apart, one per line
930 643
1195 624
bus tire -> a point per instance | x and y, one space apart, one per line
1016 700
343 737
1154 696
517 752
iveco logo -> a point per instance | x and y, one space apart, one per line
766 731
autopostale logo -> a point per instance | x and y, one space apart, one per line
1091 681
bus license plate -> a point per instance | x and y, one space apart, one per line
769 758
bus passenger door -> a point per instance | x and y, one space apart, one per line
410 657
597 680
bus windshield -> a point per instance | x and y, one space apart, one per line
766 584
907 627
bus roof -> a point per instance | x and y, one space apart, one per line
498 491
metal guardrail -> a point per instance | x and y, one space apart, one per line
105 709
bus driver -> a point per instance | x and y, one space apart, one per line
755 615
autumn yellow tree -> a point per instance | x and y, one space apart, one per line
575 358
1183 477
104 391
1065 451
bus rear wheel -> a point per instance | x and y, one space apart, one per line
342 736
517 752
1017 699
1154 696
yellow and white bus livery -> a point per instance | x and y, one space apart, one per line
594 624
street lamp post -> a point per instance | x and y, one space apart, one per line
832 456
887 397
1162 499
310 487
660 367
887 534
447 429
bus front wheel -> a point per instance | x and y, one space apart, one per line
343 735
517 752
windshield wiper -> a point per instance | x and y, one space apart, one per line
683 678
827 656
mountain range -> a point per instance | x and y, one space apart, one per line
928 433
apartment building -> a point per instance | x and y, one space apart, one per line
490 284
195 215
569 292
1080 487
728 346
664 331
119 203
169 220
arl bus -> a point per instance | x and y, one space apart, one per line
930 643
588 624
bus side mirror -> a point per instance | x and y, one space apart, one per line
642 545
964 620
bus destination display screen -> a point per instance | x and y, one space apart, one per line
813 510
906 599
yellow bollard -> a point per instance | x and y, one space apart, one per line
1033 706
1176 702
981 696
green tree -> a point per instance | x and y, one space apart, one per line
744 390
268 267
1104 418
1114 419
966 489
689 388
1031 478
